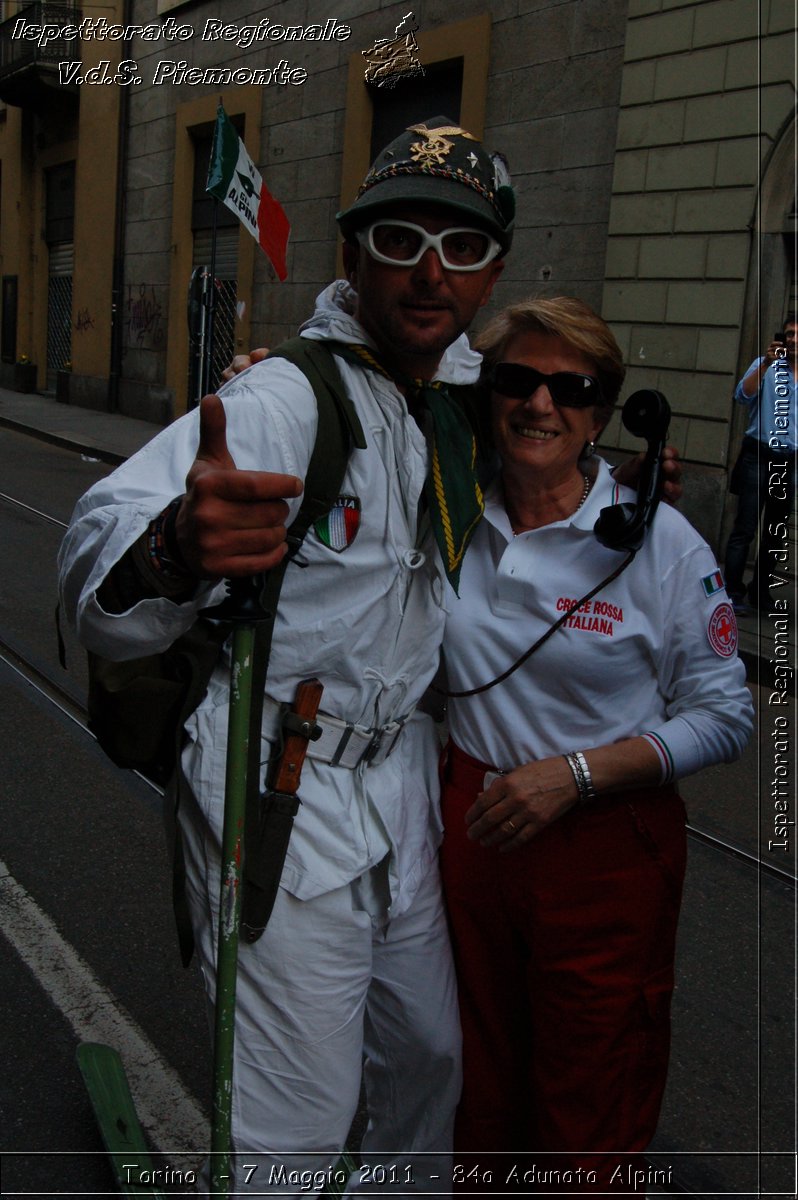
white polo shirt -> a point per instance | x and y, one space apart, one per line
654 653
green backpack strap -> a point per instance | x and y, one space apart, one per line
267 831
339 430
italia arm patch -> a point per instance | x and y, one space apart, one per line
722 630
338 529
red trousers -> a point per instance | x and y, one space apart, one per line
564 953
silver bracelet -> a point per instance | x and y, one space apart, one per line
578 780
582 777
588 778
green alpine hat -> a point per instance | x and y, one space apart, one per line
437 162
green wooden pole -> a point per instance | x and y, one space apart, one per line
230 903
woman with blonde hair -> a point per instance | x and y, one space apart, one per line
564 847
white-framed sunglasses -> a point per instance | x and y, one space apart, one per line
401 244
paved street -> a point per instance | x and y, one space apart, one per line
89 944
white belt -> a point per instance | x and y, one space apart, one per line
343 744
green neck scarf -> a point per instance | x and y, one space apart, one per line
454 497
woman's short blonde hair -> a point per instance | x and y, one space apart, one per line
565 317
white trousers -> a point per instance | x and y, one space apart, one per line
330 983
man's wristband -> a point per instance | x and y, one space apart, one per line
162 544
158 567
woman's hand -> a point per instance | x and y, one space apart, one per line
520 804
671 475
628 473
242 361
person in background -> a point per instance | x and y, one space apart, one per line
564 834
764 475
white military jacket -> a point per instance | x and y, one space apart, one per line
366 619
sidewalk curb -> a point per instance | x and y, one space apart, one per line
54 439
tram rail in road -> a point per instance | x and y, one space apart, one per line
49 688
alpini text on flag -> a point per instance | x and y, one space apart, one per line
234 179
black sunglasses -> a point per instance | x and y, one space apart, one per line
567 388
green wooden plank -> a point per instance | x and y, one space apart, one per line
106 1082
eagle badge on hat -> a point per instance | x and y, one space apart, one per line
437 144
437 162
338 529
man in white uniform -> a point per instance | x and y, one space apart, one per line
355 958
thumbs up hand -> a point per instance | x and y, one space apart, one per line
230 522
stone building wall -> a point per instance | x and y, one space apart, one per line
651 144
552 104
708 90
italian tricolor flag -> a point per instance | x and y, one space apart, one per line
712 583
234 179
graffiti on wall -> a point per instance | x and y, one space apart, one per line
145 318
83 320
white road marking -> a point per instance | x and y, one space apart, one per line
167 1111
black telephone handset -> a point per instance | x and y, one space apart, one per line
646 414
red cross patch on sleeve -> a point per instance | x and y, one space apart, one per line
722 631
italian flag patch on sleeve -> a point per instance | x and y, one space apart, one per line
712 583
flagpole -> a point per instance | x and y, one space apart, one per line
208 384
